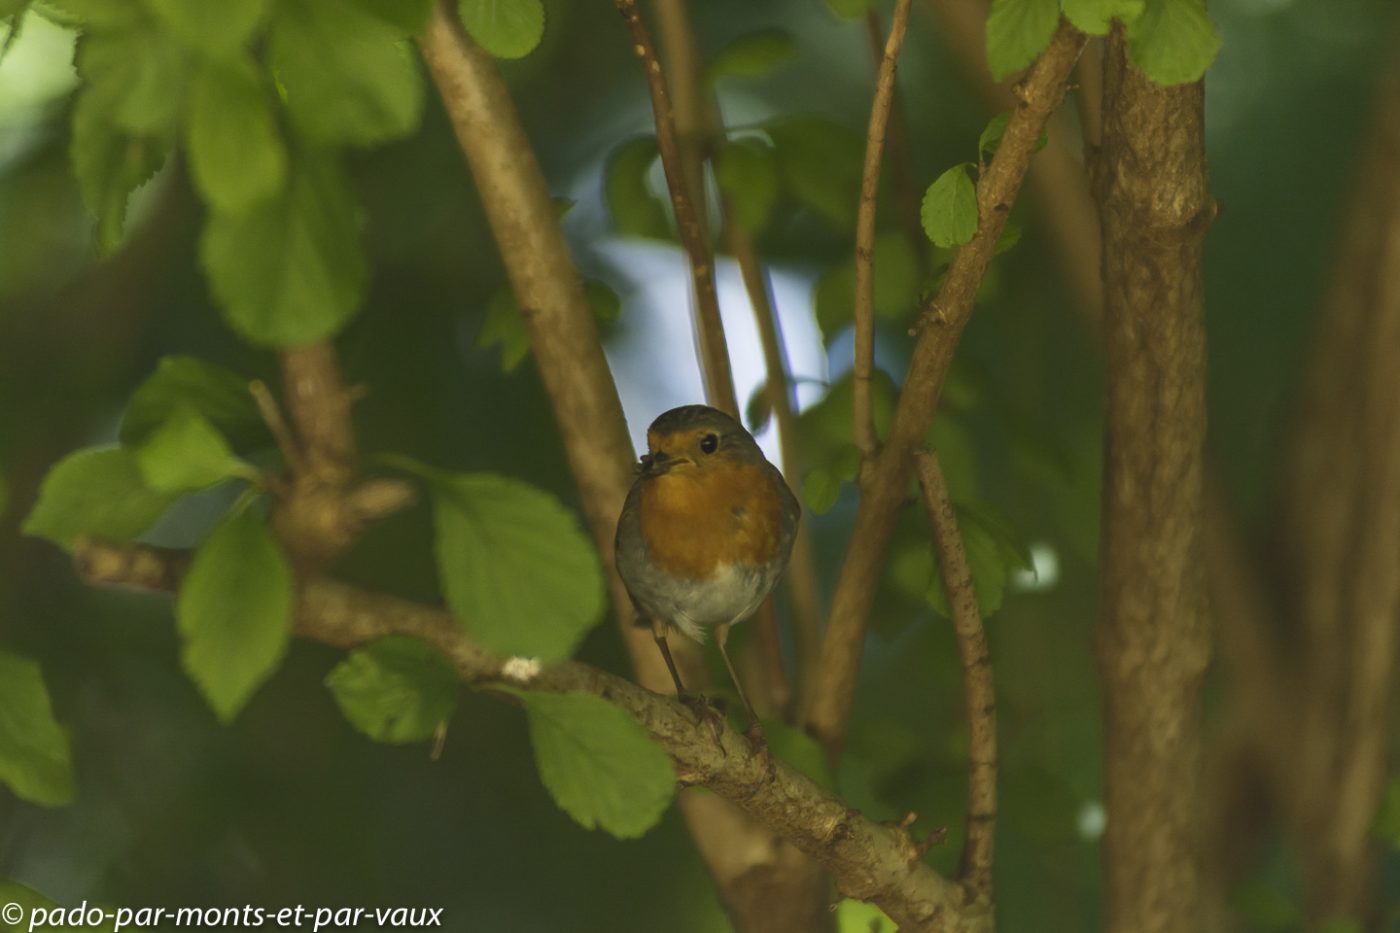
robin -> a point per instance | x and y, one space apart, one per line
705 532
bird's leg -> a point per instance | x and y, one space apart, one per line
704 712
658 631
754 730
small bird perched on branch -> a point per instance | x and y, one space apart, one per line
705 532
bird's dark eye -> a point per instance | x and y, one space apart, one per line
709 443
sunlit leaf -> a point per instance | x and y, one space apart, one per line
35 759
236 152
396 689
346 75
220 395
1173 41
505 28
291 270
1018 31
234 612
519 573
1096 16
187 453
100 492
949 210
598 764
214 28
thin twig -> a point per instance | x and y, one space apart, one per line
865 233
714 352
803 586
979 694
884 485
272 416
906 183
869 860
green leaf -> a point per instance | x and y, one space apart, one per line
291 270
993 551
1018 31
848 9
128 82
505 28
519 573
408 17
602 301
820 489
396 689
752 56
598 764
220 395
98 492
747 173
188 453
141 71
1264 907
502 327
949 210
216 29
991 135
1173 41
824 429
234 612
1096 16
236 152
821 164
896 286
853 916
1387 822
35 759
635 208
346 75
101 12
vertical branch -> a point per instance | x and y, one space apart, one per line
865 233
714 352
884 485
803 586
979 694
1153 642
1342 534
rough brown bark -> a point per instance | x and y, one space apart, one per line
1153 641
1342 533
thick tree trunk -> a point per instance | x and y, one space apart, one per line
1153 642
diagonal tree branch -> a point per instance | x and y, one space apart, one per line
1153 640
869 860
883 487
863 366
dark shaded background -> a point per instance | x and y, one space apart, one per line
290 805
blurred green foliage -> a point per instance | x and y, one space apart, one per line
253 173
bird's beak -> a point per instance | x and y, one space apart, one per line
658 462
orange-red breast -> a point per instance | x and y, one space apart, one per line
706 530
